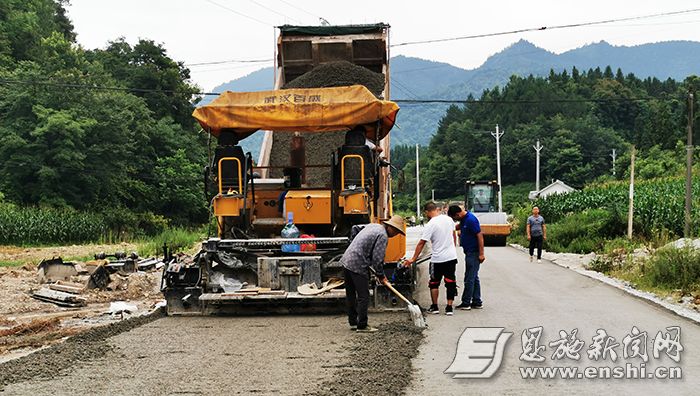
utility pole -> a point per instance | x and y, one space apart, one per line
498 135
537 148
417 183
689 168
614 157
631 209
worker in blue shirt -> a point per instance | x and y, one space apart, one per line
472 241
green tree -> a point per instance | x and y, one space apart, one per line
161 81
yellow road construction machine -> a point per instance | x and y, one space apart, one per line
251 266
481 199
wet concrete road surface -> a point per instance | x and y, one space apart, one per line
520 295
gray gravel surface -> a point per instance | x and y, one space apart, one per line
78 350
281 355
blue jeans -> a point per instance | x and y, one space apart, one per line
472 287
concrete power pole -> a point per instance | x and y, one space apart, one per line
417 183
689 168
630 214
537 148
614 157
498 135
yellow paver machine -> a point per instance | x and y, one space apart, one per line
249 266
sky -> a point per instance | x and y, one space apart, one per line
196 31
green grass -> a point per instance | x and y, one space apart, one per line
177 239
666 271
12 263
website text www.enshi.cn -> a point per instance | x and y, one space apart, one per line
629 371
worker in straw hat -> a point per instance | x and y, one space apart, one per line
366 249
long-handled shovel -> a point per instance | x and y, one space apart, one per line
416 315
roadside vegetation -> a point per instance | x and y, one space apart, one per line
595 220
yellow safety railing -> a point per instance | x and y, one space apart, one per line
240 177
342 169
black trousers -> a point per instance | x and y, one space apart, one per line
357 297
536 242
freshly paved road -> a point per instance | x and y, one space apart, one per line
519 295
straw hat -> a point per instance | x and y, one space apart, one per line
396 222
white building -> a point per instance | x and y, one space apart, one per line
557 187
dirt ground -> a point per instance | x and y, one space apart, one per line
286 355
27 324
35 254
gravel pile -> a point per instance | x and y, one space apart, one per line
339 74
379 363
320 146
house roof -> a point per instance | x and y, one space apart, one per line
545 190
557 183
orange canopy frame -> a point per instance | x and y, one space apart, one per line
299 110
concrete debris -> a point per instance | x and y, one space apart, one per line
59 298
54 269
99 279
121 307
149 264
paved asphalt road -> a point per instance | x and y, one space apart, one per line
519 295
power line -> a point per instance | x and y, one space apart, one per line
572 25
229 61
200 71
273 11
526 101
238 13
300 9
405 101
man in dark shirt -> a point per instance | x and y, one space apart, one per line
367 249
472 241
536 233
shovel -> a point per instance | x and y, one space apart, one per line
416 315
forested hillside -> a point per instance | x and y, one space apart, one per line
414 78
129 153
578 116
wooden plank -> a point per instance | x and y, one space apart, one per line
66 288
268 273
310 271
272 292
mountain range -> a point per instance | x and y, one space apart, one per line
415 78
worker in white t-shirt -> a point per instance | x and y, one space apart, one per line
440 231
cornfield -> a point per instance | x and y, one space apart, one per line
659 204
39 226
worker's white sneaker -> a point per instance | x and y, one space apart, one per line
539 261
530 258
353 327
368 329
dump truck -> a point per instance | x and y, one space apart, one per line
480 197
248 267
